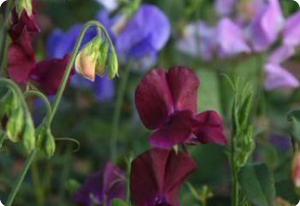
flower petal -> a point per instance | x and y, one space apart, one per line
153 99
49 74
291 31
209 128
176 130
20 64
184 84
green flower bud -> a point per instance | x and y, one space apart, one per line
46 141
15 125
29 139
22 5
114 65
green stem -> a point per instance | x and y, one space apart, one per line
21 179
117 113
39 191
71 64
3 34
235 183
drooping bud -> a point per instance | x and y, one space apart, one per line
46 141
94 59
296 170
22 5
15 124
29 139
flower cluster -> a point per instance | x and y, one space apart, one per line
23 66
248 27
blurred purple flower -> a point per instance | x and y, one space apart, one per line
109 5
141 37
61 43
225 7
230 39
102 187
281 142
278 77
291 32
266 26
198 40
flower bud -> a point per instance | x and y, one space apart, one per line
15 124
296 170
46 141
29 139
93 59
22 5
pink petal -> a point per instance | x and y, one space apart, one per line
183 84
209 128
175 131
153 99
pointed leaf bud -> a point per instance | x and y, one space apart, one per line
15 125
29 139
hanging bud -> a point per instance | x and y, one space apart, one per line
15 124
296 170
29 139
46 141
22 5
93 60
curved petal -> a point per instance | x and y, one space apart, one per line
184 84
176 130
49 74
153 99
209 128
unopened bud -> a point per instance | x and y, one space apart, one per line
29 139
22 5
296 170
15 124
113 65
46 141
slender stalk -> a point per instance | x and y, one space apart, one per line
39 191
21 179
117 113
72 61
3 34
235 183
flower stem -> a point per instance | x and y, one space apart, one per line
3 35
117 113
21 178
72 61
234 168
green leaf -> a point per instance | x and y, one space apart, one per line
119 202
258 184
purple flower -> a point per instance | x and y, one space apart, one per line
141 37
102 187
225 7
61 43
291 32
158 175
278 77
283 143
266 26
167 103
198 40
230 39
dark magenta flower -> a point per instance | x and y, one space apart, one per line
167 104
157 176
22 64
102 187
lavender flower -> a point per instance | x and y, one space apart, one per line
225 7
291 32
102 187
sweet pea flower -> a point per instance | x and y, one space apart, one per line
167 104
157 176
265 28
109 5
22 65
142 36
291 31
231 39
103 187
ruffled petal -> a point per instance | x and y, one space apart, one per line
184 84
209 128
153 99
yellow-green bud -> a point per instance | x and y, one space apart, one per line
15 124
22 5
29 139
